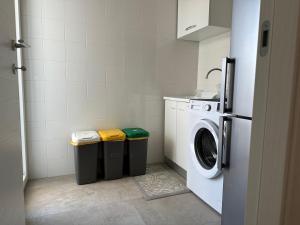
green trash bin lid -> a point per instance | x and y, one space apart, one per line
136 133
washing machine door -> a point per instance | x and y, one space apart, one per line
204 148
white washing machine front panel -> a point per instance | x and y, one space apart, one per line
209 172
204 177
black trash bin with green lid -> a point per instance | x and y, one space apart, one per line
113 152
137 145
85 156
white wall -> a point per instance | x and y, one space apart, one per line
99 64
177 61
211 52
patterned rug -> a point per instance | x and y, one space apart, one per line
160 181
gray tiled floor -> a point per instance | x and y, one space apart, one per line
59 201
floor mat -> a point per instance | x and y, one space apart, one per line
160 181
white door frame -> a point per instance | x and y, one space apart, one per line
271 116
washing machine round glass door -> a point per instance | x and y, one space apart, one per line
205 148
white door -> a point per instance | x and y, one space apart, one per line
182 135
192 15
11 183
170 130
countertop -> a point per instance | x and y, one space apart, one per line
179 98
189 98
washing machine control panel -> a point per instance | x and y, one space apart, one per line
204 106
207 107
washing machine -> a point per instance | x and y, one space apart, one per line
204 174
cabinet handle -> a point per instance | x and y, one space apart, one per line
190 27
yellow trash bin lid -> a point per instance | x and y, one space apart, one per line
112 135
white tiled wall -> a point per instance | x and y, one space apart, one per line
99 64
211 52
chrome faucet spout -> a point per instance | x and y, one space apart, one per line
210 71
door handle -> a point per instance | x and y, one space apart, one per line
225 125
226 93
19 44
15 68
190 27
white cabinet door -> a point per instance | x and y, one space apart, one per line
170 130
176 132
201 19
192 15
182 135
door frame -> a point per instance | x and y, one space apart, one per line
273 110
291 197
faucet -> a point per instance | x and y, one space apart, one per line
210 71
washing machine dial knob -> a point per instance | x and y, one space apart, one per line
207 107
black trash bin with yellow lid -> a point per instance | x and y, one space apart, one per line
113 152
85 156
137 146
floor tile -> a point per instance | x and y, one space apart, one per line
52 219
60 201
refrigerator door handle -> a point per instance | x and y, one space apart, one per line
226 145
226 92
224 142
220 142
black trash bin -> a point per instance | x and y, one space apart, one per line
113 152
85 156
100 165
137 146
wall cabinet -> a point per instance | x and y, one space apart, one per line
176 132
201 19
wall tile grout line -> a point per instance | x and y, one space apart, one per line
84 45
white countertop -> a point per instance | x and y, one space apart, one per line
188 99
179 98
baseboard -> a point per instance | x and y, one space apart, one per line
174 166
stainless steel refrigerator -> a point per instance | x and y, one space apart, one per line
236 104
